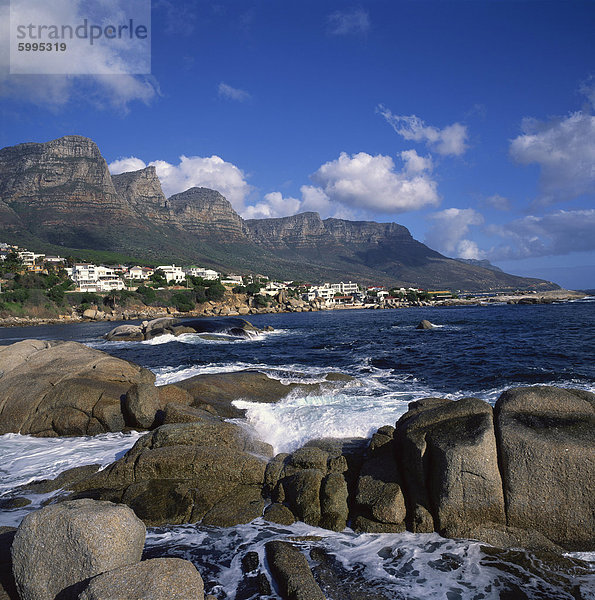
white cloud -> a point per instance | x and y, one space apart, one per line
195 171
451 140
564 148
126 164
498 202
231 93
414 163
349 22
372 183
314 199
557 233
108 82
349 187
447 235
274 205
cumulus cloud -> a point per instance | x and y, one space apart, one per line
314 199
274 205
350 187
557 233
126 164
414 163
564 149
363 181
230 93
105 74
447 234
349 22
451 140
195 171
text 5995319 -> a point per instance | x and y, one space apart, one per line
41 47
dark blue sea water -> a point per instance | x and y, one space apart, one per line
477 351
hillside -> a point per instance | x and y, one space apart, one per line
59 196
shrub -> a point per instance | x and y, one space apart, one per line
200 294
17 296
253 288
90 298
147 294
215 292
182 301
260 300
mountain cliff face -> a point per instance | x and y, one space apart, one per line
60 193
141 190
56 189
205 212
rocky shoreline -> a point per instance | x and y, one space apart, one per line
519 475
242 307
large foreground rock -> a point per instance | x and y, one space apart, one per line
447 457
54 388
8 590
209 470
546 438
61 545
155 579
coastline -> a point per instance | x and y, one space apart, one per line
325 470
227 309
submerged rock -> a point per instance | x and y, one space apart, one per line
169 325
291 572
219 390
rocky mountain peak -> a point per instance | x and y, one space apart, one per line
204 211
141 188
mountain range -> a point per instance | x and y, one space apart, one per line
60 196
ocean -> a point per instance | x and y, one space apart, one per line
473 351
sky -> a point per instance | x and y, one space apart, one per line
471 123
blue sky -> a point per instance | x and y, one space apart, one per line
471 123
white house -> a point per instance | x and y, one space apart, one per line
345 289
29 258
202 272
272 288
54 260
324 291
172 273
142 273
91 278
233 280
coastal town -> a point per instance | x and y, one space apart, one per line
35 287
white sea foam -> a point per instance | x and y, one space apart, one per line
404 565
286 374
293 421
25 459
